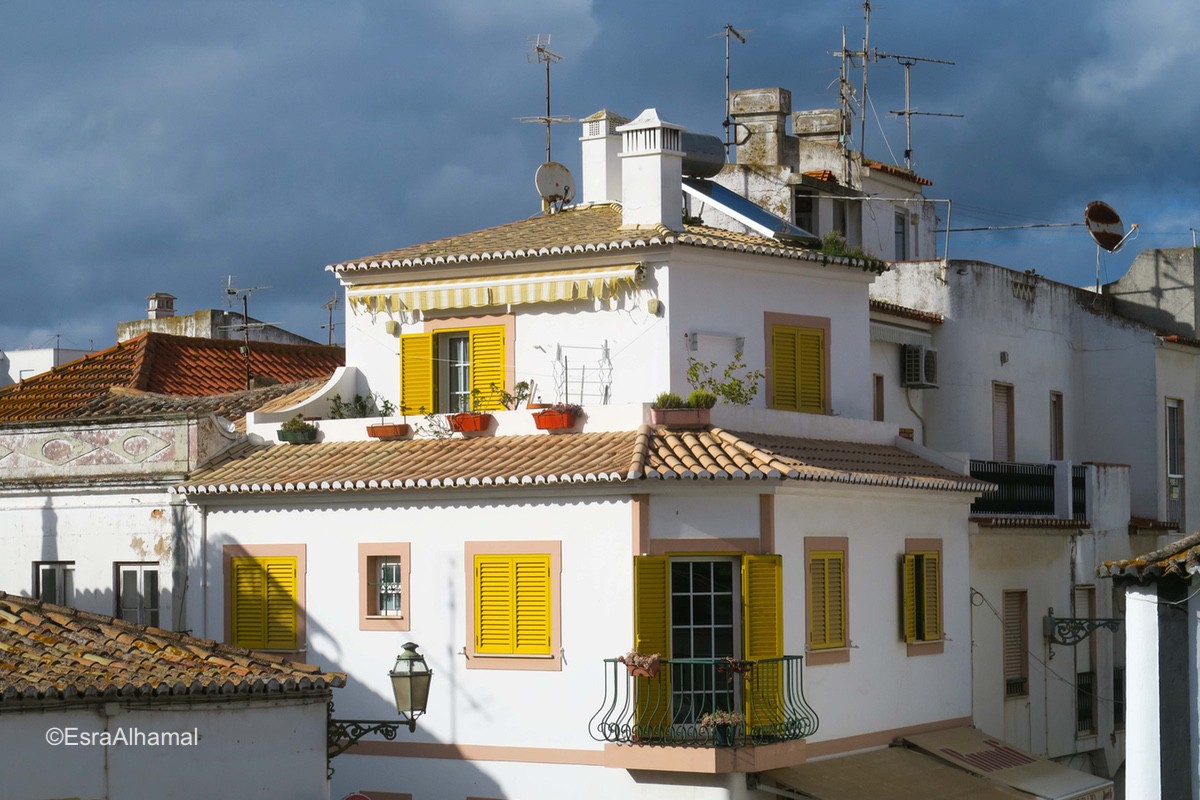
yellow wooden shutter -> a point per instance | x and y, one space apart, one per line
931 597
652 634
783 367
908 592
487 366
264 603
513 614
810 369
418 375
762 627
827 599
1016 635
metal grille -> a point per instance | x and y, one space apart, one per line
1020 488
1085 702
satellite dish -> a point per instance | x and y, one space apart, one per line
555 184
1104 224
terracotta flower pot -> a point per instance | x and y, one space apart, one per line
388 430
470 422
680 417
550 420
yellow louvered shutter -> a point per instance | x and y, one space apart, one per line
798 369
264 603
652 634
762 626
908 601
931 597
827 599
487 366
513 604
418 379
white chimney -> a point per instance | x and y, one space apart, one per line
651 172
601 157
162 305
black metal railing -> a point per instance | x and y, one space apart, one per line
1025 489
1118 697
1085 702
706 702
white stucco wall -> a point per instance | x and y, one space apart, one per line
1143 770
265 748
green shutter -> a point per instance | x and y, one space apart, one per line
908 597
418 375
264 603
487 366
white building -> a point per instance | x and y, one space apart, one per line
19 365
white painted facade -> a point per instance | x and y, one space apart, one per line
19 365
266 747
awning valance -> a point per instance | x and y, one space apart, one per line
600 283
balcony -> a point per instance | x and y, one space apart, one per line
668 708
1057 490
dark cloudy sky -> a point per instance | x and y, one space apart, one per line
162 146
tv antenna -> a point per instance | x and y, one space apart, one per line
540 53
727 32
1106 228
331 306
231 294
909 112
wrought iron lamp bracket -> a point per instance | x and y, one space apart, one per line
1071 631
342 734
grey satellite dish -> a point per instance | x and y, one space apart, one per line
1104 224
555 184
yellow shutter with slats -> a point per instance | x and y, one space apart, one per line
908 594
264 603
487 366
798 369
931 597
1016 660
652 634
827 599
418 375
762 629
513 614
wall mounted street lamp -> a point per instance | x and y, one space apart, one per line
410 685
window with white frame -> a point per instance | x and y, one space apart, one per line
54 581
387 585
137 593
383 594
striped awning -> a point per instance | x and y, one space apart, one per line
601 283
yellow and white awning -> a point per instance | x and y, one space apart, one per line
600 283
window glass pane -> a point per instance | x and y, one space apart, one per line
460 373
702 610
129 594
389 594
49 585
150 595
681 576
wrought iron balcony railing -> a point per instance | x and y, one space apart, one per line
1026 489
686 701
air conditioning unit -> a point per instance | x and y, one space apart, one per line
918 366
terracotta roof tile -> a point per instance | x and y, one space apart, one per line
121 402
620 456
885 307
899 172
1180 558
161 364
579 229
53 653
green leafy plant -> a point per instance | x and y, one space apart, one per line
372 405
565 408
667 400
736 385
834 244
720 717
515 399
701 399
435 427
298 423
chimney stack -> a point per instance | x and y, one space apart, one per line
761 133
651 172
601 157
162 305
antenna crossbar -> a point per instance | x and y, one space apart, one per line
540 53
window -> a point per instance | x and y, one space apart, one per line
1056 426
54 582
1118 697
383 599
921 590
513 605
1003 445
1174 414
1085 665
264 599
877 397
805 215
1016 644
827 599
707 608
797 377
137 593
901 243
451 370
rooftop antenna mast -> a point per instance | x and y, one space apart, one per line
862 128
331 306
845 98
231 293
540 53
908 113
729 31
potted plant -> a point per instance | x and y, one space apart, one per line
558 417
297 431
387 430
673 411
473 421
723 725
640 665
